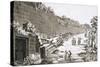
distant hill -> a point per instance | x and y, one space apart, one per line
46 22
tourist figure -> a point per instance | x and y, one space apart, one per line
66 55
69 56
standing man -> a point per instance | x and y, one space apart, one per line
69 56
66 55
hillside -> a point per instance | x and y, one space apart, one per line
45 22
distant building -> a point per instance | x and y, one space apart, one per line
73 41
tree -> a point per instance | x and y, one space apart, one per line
94 21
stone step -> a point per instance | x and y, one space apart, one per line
52 49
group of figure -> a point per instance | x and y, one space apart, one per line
68 55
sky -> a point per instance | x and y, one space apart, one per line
81 13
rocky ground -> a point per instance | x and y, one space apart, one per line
79 53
